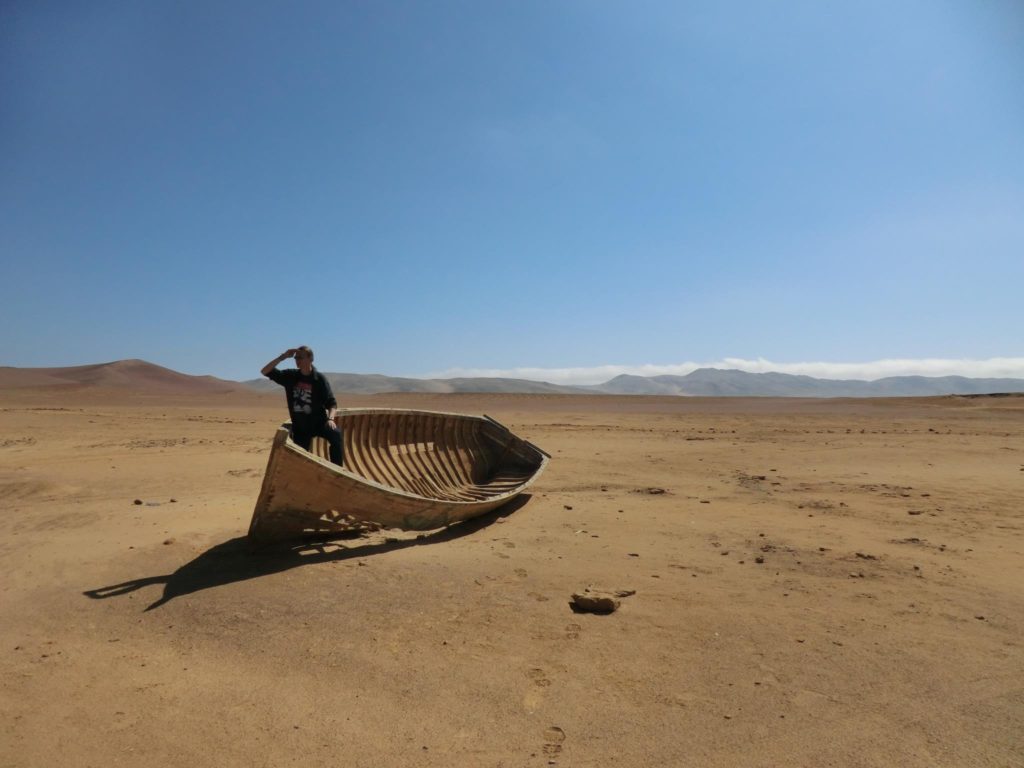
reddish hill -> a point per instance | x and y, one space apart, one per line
133 375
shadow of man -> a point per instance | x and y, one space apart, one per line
238 560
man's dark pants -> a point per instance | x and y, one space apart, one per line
303 436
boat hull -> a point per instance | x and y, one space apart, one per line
413 470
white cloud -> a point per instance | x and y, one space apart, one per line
995 367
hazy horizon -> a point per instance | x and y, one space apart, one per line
864 371
994 368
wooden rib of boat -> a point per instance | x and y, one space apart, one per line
415 470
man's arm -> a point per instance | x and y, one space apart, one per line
273 363
330 402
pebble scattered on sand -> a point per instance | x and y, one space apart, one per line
137 501
168 541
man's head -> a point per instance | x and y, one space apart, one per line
304 359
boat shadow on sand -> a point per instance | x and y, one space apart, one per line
238 559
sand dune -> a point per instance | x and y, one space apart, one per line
817 583
134 375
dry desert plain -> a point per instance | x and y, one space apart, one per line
820 583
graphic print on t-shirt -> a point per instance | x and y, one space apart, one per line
302 397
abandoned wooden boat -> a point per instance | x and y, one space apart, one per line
415 470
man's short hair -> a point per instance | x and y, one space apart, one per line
305 350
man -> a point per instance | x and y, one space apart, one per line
310 400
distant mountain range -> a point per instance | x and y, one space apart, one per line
715 382
704 382
376 384
144 377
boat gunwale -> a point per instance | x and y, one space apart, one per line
289 444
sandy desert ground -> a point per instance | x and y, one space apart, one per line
821 583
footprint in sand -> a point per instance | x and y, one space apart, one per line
553 738
521 572
572 631
537 675
535 695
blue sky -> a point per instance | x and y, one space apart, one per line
566 188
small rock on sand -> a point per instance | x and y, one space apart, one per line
599 600
588 603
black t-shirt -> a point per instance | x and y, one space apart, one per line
309 397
